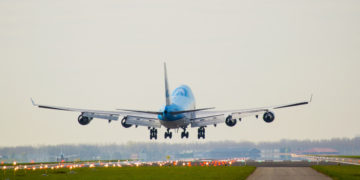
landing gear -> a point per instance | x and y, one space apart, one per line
153 133
184 134
201 132
168 134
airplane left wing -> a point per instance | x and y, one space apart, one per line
208 120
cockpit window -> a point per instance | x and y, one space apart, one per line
180 92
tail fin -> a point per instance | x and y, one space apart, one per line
167 96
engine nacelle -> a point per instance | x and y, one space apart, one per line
84 120
230 121
123 123
269 117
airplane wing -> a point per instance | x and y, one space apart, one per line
208 120
143 121
204 118
100 114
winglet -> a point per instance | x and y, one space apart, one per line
33 103
311 98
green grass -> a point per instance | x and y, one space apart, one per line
156 173
345 156
339 156
340 172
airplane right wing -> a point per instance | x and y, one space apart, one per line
143 121
204 118
140 118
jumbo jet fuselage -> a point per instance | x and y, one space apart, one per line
181 99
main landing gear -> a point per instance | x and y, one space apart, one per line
201 132
184 134
153 133
168 134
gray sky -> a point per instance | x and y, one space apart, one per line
233 54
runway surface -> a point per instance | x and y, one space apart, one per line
284 173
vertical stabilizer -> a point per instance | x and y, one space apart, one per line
167 96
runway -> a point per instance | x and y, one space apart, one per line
284 173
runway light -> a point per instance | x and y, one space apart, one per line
33 168
14 163
183 164
91 166
113 165
52 167
106 165
4 167
16 168
46 166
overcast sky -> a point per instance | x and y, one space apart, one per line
233 54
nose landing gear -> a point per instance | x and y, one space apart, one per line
184 134
168 134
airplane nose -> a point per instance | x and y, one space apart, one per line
165 114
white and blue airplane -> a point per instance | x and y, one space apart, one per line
178 112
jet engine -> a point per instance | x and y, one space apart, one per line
123 123
269 117
230 121
84 120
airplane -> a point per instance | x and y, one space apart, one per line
63 158
178 112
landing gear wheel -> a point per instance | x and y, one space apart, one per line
168 134
153 133
201 132
184 133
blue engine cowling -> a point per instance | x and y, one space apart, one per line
269 117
